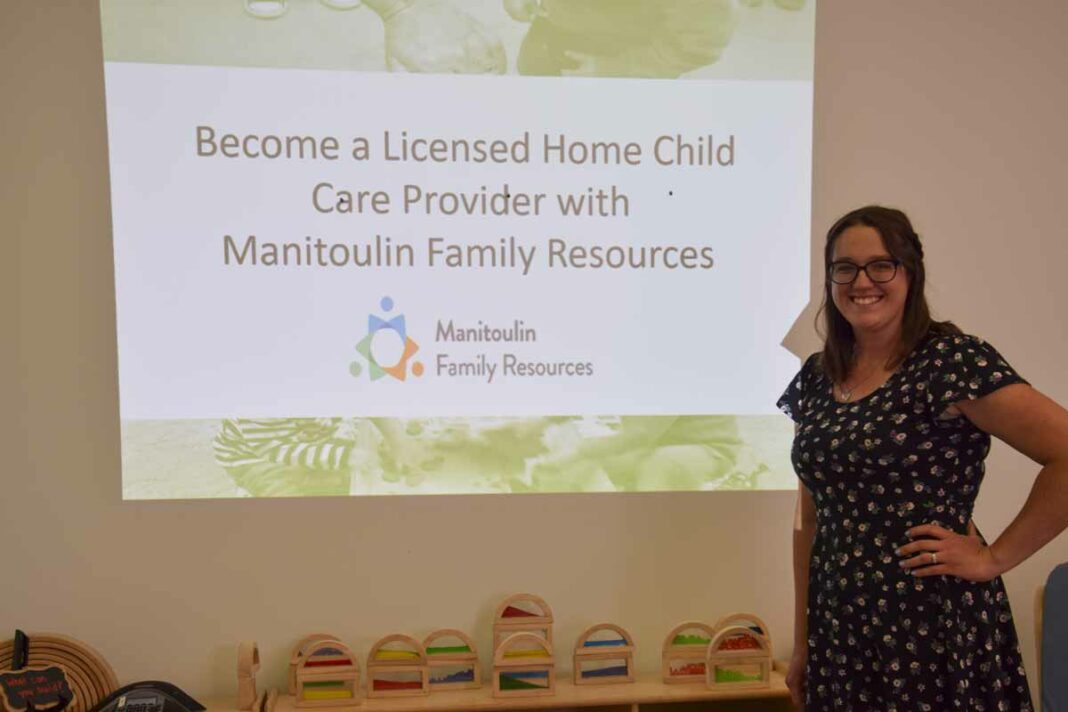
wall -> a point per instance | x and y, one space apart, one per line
953 110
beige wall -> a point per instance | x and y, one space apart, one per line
953 110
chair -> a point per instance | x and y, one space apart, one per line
1040 597
1051 640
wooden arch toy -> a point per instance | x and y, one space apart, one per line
523 666
397 667
328 675
684 653
248 664
523 613
746 620
737 657
455 666
604 654
298 653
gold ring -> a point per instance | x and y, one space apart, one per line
934 558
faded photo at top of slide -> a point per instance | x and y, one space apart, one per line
657 39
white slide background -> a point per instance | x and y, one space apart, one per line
199 339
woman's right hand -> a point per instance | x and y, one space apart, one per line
795 677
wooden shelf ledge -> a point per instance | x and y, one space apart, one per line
645 690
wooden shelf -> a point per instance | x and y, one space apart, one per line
646 690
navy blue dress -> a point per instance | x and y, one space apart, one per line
878 637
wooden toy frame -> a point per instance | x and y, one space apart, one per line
344 672
586 654
541 626
451 659
540 664
695 653
298 653
420 667
248 664
759 657
745 620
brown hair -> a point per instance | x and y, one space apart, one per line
902 242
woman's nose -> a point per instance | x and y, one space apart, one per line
862 280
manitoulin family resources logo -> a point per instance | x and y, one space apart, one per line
387 348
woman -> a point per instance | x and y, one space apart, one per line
899 604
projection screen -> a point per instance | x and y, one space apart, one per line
457 246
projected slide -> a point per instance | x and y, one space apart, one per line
457 246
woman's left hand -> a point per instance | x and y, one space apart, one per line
937 551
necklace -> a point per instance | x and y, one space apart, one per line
846 394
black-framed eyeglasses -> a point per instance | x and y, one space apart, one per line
879 271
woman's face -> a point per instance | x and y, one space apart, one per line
868 306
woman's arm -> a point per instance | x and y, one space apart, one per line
1037 427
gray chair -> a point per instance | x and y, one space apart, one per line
1051 640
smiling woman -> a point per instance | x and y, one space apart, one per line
894 421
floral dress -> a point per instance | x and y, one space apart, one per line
878 637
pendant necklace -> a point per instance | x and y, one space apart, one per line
847 393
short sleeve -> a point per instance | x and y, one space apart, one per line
792 400
966 368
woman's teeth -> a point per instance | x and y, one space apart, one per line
863 301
